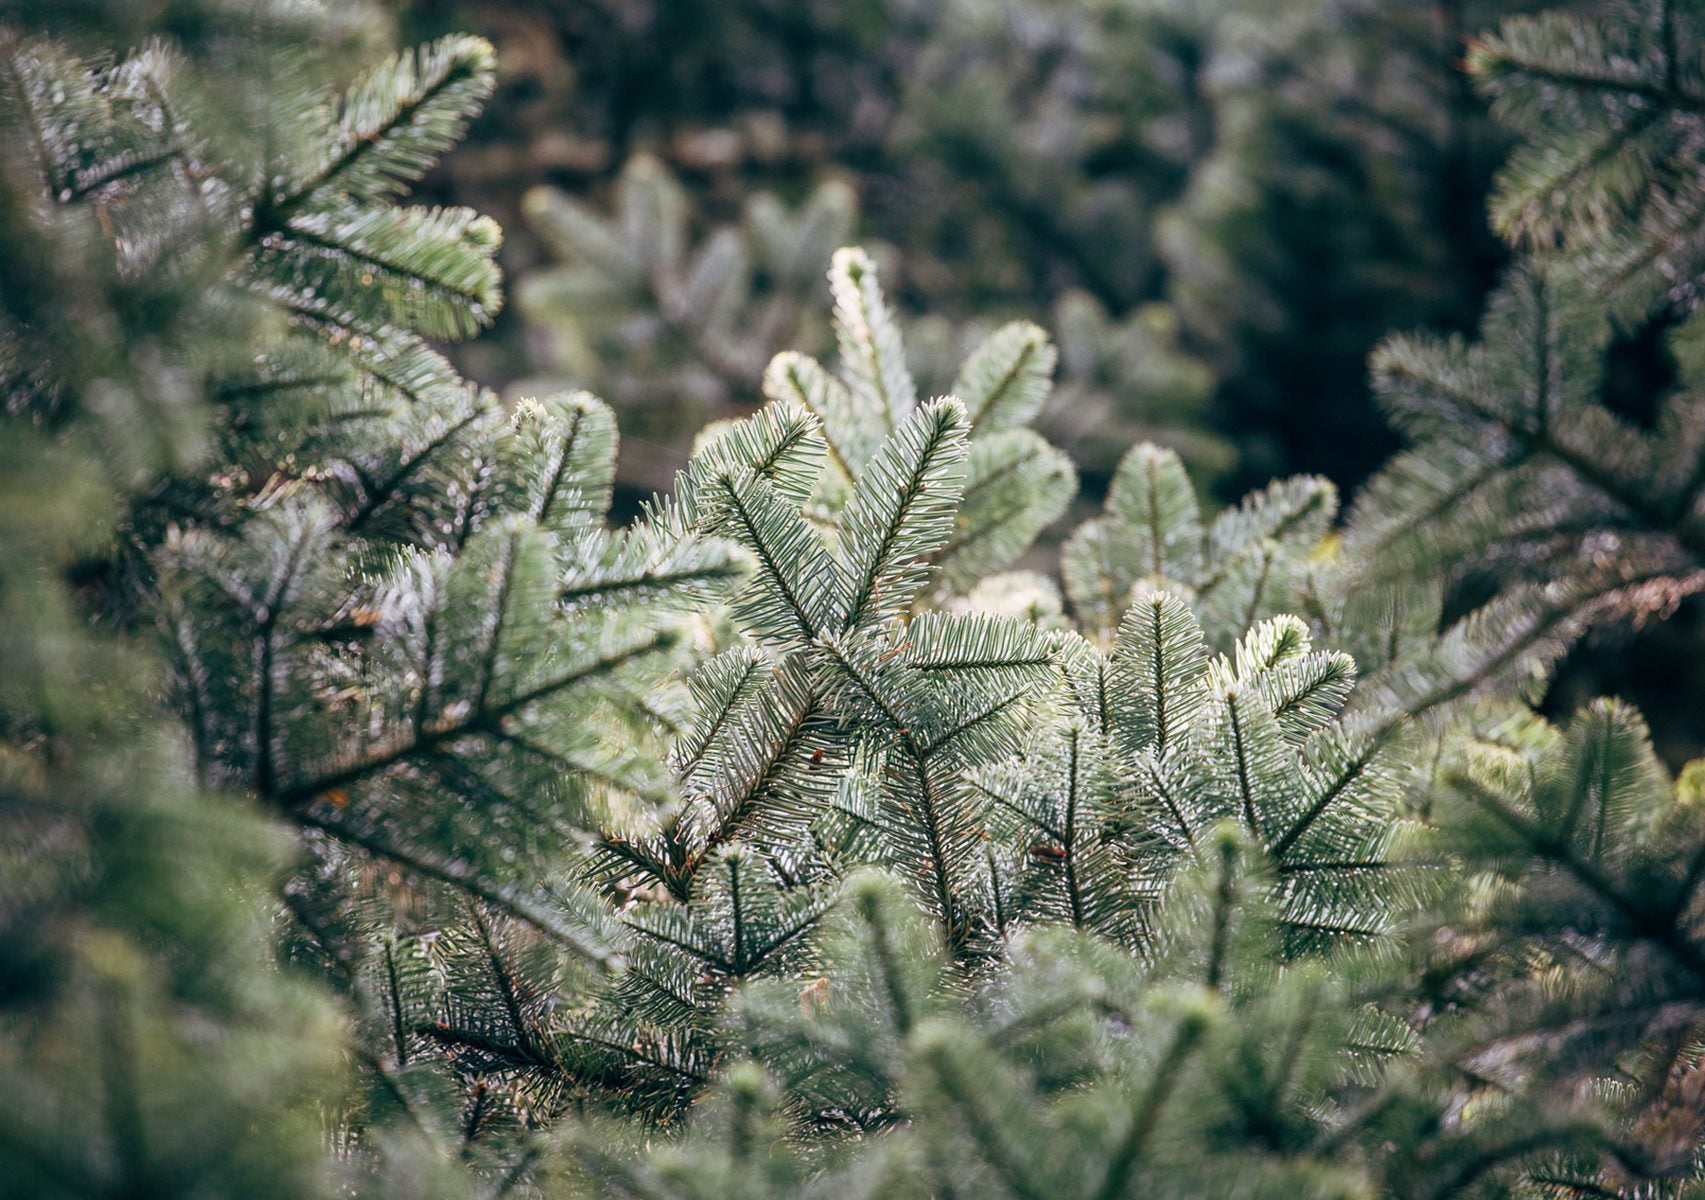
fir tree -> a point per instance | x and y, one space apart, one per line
672 333
792 838
1607 105
1156 789
147 1044
393 616
1258 192
1012 776
1523 480
1573 967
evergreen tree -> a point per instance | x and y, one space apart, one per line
147 1045
1212 821
1206 818
657 320
1538 473
797 837
393 617
673 335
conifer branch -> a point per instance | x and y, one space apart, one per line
1165 1080
507 901
480 721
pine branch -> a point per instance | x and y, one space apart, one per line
794 378
509 902
1146 1114
1016 485
872 357
948 1059
1006 380
480 721
768 751
795 592
376 494
902 512
429 267
1539 439
395 122
720 687
1156 674
1646 923
635 568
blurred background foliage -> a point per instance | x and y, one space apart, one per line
1217 207
1221 206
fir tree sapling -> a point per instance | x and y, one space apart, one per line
1218 206
1204 822
660 317
672 333
1523 480
1012 776
1607 105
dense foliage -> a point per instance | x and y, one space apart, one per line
1218 207
378 817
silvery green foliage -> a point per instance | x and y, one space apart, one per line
303 219
394 618
1151 860
795 839
1012 778
1214 1057
1247 564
